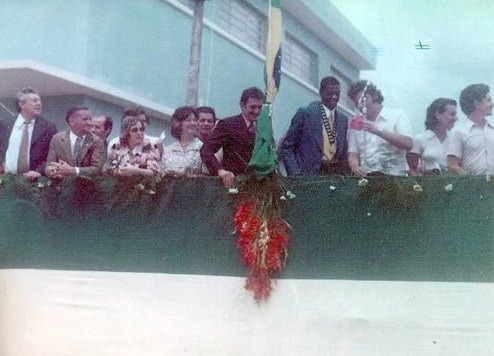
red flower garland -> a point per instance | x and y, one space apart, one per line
263 244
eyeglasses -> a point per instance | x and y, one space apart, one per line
137 129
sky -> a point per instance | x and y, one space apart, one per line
460 34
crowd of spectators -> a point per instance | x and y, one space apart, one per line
321 139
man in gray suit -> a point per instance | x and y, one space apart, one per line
77 151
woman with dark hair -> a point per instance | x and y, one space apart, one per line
133 155
182 158
428 155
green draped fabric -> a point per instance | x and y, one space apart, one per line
384 231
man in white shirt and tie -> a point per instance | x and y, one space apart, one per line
24 142
76 151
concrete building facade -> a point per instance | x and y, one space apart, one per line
108 54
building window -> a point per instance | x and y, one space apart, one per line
344 86
243 22
299 60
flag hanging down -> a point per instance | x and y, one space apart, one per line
264 157
272 71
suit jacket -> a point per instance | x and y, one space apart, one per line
92 153
302 148
232 135
43 131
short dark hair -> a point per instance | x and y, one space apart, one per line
180 114
127 123
371 89
252 92
20 97
73 110
206 110
472 93
135 110
438 106
326 82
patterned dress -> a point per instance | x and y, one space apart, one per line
142 156
181 161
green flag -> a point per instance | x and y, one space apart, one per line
264 157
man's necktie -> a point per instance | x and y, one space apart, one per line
252 129
77 150
23 159
330 126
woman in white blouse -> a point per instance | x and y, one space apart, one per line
428 156
182 157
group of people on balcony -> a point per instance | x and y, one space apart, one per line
321 139
379 140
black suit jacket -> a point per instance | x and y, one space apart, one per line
232 135
43 132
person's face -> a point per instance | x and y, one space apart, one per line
485 106
448 118
330 96
31 106
98 127
136 134
367 102
189 125
80 121
206 124
251 109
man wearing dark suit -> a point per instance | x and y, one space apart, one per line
24 142
77 151
316 142
236 136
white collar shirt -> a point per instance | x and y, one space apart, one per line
375 153
431 150
12 154
73 138
473 145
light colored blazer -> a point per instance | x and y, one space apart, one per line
93 153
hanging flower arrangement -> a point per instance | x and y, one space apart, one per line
263 235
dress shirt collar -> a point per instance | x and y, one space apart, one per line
328 110
73 137
19 122
469 124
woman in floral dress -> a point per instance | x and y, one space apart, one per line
133 155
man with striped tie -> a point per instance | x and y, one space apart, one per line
76 151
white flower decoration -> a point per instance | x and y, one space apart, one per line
232 191
290 195
448 187
362 182
332 187
418 188
282 197
40 185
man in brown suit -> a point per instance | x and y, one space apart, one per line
77 151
